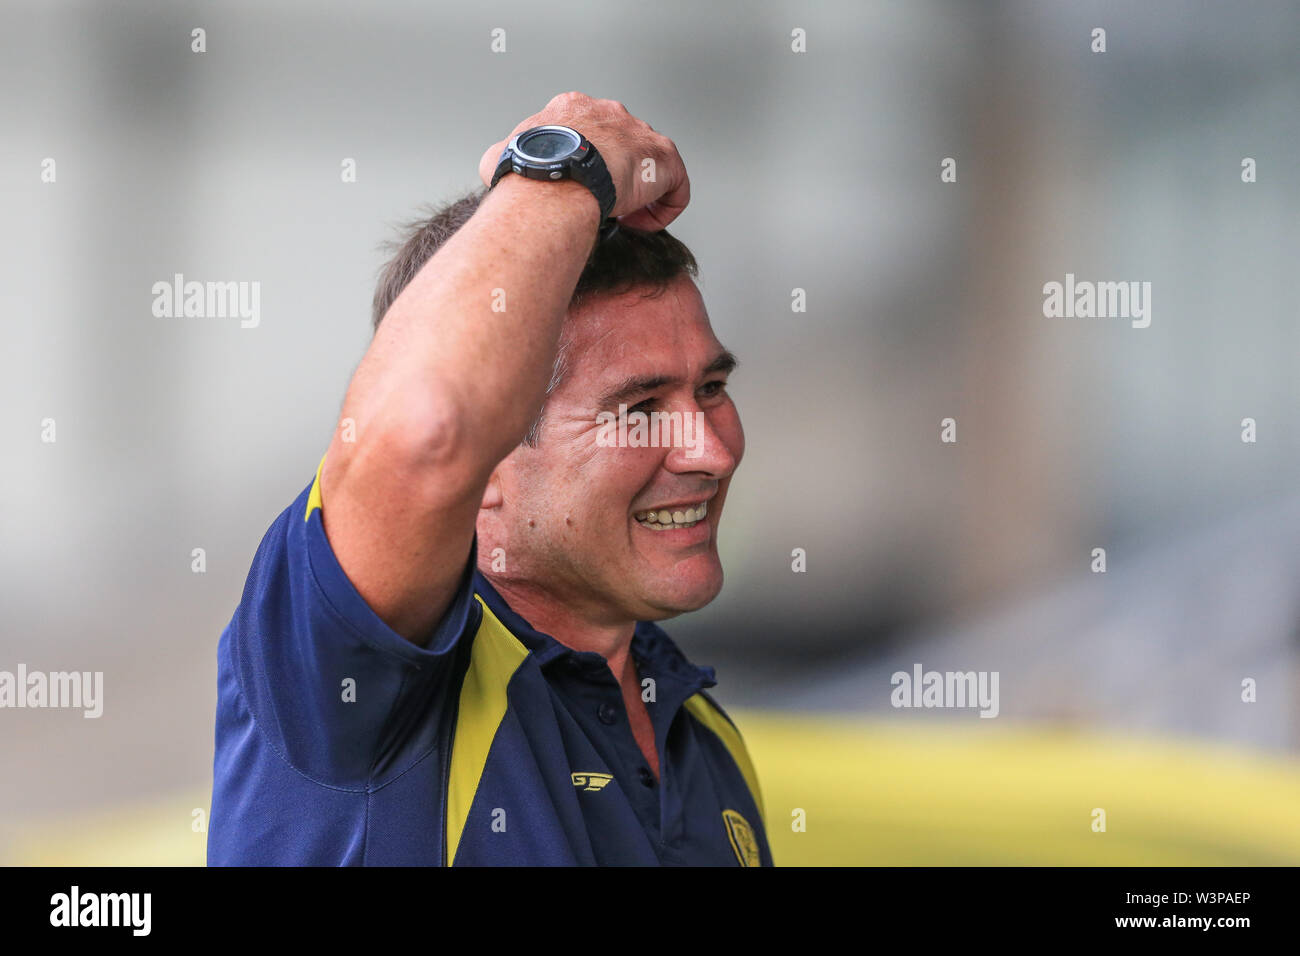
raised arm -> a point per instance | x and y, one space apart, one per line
449 387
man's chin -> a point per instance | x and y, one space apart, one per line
681 597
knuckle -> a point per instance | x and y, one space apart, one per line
665 145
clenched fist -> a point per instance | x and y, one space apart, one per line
624 142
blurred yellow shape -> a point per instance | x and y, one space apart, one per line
156 833
990 792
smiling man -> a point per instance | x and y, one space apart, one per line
446 650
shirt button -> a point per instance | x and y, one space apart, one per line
607 713
647 778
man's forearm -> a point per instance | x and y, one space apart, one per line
469 344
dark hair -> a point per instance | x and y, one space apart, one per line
628 260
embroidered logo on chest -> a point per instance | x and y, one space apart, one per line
591 781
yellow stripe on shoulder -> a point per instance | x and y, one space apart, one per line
494 658
707 713
313 497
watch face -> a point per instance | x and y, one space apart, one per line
547 144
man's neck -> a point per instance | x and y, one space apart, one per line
571 628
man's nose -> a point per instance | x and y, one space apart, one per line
702 448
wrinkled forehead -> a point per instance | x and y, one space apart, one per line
613 337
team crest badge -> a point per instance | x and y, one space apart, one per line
742 838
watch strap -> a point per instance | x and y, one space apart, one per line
592 172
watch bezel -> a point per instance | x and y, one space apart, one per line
550 163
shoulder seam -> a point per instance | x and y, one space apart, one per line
276 750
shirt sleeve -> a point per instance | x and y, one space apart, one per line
325 679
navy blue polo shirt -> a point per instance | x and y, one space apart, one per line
338 742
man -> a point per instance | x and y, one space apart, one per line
445 652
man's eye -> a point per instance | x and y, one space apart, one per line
644 406
713 389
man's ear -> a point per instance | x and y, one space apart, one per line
492 495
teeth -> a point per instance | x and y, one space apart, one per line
664 520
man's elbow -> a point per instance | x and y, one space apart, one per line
424 433
413 438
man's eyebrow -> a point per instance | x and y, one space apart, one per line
634 385
724 363
631 386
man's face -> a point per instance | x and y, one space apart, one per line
573 512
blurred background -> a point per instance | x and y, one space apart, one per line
817 170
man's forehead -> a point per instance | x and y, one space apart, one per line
614 336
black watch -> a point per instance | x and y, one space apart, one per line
558 152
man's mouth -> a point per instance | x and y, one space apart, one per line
666 519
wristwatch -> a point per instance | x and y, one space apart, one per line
558 152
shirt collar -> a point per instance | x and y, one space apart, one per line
649 643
